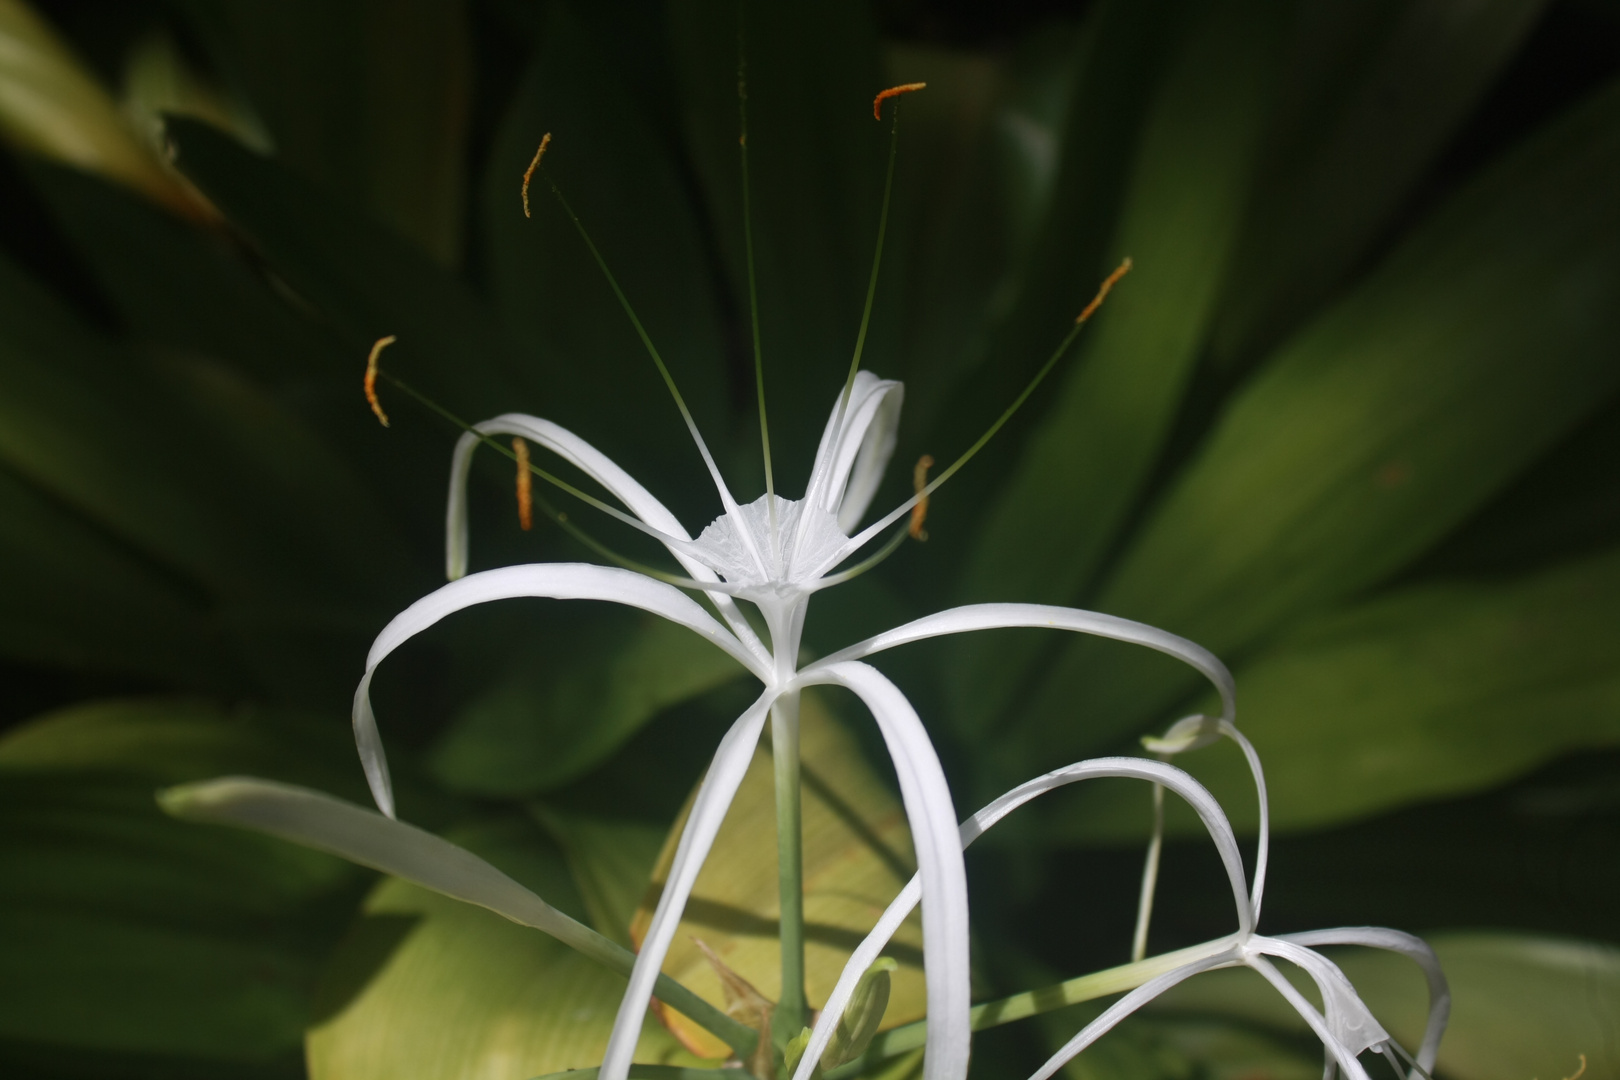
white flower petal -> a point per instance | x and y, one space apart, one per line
363 836
1128 1004
855 449
961 620
1415 949
942 877
599 467
714 797
1340 1053
1347 1016
970 830
556 581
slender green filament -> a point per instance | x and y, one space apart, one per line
877 262
1150 877
753 279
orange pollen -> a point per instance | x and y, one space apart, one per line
371 377
1102 292
525 488
893 91
919 484
528 174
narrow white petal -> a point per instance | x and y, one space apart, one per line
1340 1054
556 581
1263 845
943 880
714 797
363 836
1127 1005
599 467
855 449
1415 949
962 620
1175 779
1347 1016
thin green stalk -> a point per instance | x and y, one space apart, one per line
792 1011
753 280
877 260
1150 877
1098 984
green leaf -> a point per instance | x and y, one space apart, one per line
1484 337
611 860
1429 692
626 185
817 160
76 598
1168 1047
1374 92
364 97
428 987
1522 1006
857 856
555 716
1045 533
128 933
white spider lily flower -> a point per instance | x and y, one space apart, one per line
774 553
1345 1026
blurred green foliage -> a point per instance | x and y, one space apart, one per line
1352 422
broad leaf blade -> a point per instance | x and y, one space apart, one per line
1045 534
1428 692
1486 336
428 987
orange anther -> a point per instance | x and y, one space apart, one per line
525 490
371 377
1102 292
528 174
919 484
893 91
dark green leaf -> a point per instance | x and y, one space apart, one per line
365 97
1486 336
1044 535
1425 693
554 716
1373 93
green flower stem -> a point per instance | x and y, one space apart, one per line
791 1010
1115 980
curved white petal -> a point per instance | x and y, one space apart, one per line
1410 946
1128 1004
1347 1016
714 797
351 832
888 924
961 620
941 875
666 527
556 581
855 448
1341 1054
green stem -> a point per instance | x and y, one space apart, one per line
792 1010
1098 984
877 260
